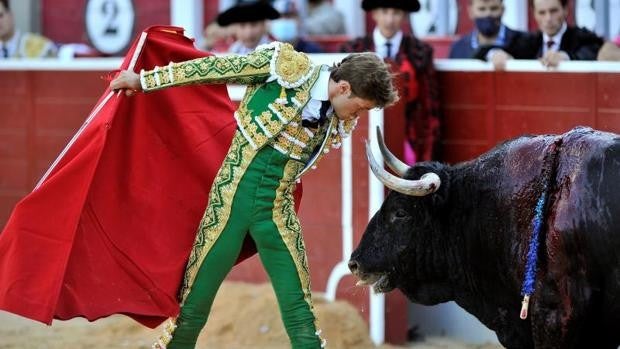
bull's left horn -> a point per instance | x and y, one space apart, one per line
427 184
391 160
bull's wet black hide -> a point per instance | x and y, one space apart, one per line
468 241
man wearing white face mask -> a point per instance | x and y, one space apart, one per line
287 28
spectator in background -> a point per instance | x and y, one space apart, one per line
217 38
323 19
558 42
413 59
489 29
249 21
610 51
553 43
287 28
15 44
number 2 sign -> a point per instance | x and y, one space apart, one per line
109 24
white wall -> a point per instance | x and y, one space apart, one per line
515 14
26 13
354 16
449 320
188 14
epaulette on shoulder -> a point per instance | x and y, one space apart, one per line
289 67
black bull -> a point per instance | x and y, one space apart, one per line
467 242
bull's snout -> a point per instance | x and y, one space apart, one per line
353 266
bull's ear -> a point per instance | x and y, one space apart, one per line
440 197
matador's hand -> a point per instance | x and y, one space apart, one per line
127 81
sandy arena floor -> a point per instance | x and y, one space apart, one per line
244 316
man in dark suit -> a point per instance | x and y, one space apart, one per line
489 29
553 43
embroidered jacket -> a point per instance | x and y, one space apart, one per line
279 81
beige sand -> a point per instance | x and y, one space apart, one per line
244 316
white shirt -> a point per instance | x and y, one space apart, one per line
11 45
318 94
557 40
381 40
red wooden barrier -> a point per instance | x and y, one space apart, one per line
485 108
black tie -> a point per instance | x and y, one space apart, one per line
388 50
322 116
5 52
324 108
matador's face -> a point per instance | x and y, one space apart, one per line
346 105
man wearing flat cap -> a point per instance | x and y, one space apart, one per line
413 59
249 19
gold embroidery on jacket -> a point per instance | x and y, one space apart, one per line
300 143
291 67
301 97
290 230
251 69
273 119
271 126
323 138
249 128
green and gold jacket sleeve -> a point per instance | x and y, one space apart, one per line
247 70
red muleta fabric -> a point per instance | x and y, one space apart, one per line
110 229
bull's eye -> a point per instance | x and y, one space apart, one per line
400 214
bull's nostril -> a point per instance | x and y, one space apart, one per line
353 266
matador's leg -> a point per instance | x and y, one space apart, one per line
217 245
216 265
278 237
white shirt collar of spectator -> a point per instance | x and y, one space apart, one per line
13 44
557 39
381 40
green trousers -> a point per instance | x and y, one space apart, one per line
252 194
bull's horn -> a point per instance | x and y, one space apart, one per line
427 184
392 161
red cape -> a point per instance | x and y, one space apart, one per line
110 229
